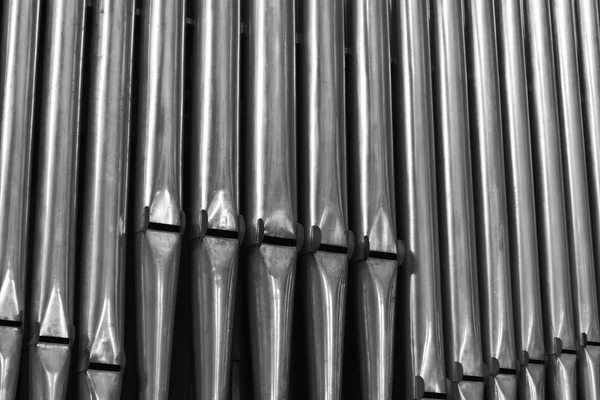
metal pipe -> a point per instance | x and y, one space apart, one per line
19 28
457 226
104 213
527 303
417 205
552 222
216 224
273 236
373 273
323 268
581 251
498 343
56 207
158 218
588 20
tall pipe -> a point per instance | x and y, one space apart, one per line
498 339
273 236
372 209
55 218
527 302
215 222
101 357
554 260
19 29
588 40
417 204
457 226
323 268
158 218
581 251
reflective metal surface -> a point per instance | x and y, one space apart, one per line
527 307
101 320
498 341
158 219
462 331
323 270
19 25
417 206
54 239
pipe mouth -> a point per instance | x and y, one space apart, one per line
53 340
156 226
9 323
219 233
472 378
278 241
103 367
383 255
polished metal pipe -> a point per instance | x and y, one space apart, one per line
216 224
417 205
273 236
552 222
581 251
158 219
55 219
588 40
323 269
101 357
373 274
457 226
498 339
527 302
19 29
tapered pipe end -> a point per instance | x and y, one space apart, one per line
100 385
157 270
323 277
271 280
49 370
373 287
11 339
502 387
532 383
466 390
589 372
214 275
561 377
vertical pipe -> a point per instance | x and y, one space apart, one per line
588 21
323 207
374 269
56 211
101 335
529 335
216 224
498 340
455 194
270 208
581 251
158 219
19 25
416 198
552 222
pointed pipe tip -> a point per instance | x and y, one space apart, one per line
11 339
49 369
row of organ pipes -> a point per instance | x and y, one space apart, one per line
404 195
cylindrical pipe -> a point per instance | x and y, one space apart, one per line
158 219
416 199
457 226
270 192
103 236
372 208
588 20
19 28
552 222
214 185
56 207
491 215
322 192
527 303
581 251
